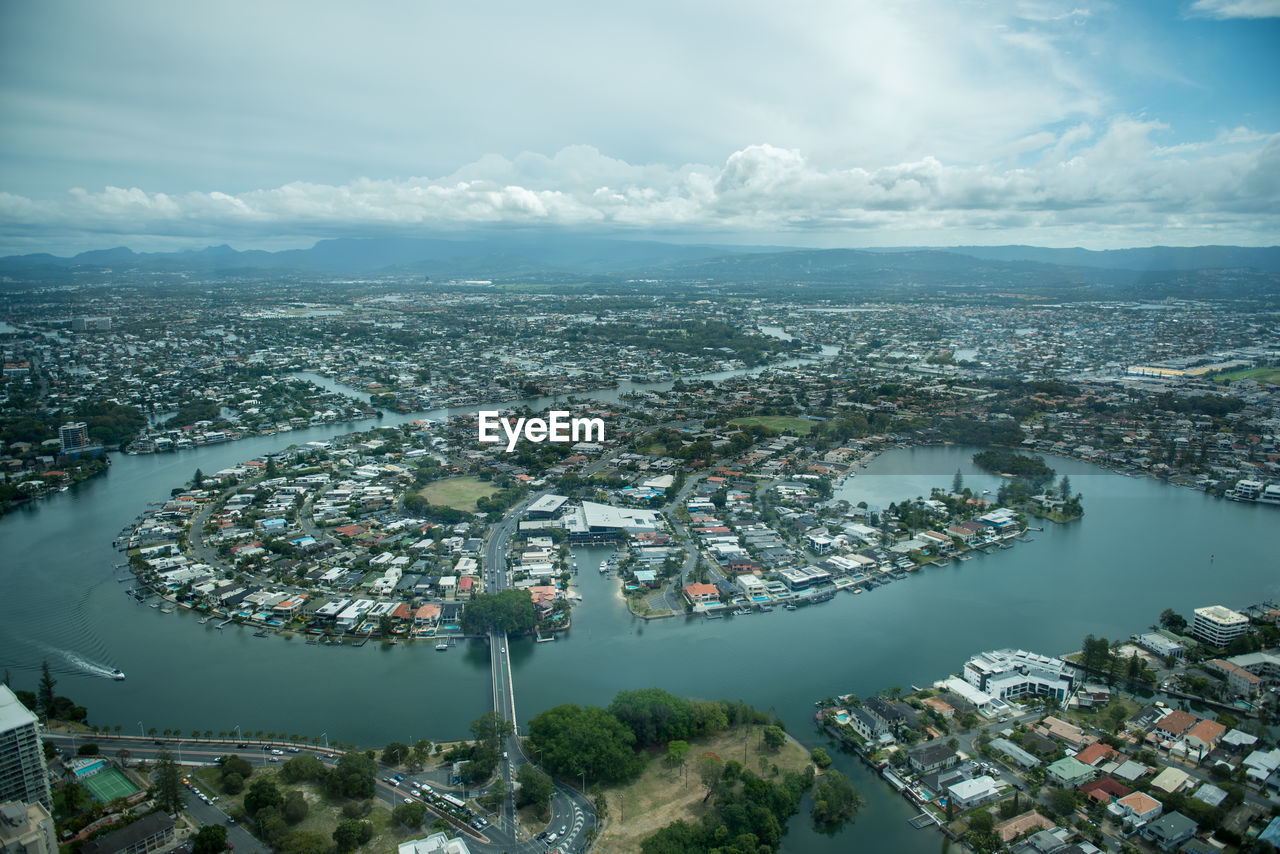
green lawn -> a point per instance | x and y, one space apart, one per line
790 425
1264 375
460 493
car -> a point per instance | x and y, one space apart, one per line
294 750
504 754
273 758
408 800
275 752
417 793
551 837
157 741
230 820
399 778
542 835
242 746
504 649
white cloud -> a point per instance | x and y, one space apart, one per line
1223 9
1081 185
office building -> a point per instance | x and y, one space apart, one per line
1217 625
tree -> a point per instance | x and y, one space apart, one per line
210 839
395 753
304 767
577 740
774 737
1173 621
835 800
168 787
1064 488
295 806
351 833
44 694
820 757
197 479
677 752
410 815
1062 802
535 789
263 792
232 784
710 768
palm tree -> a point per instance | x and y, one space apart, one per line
208 733
271 736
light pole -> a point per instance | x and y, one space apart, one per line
325 736
140 732
239 736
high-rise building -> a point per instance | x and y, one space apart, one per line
26 829
23 774
1217 625
74 435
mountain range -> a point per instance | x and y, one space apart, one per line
567 257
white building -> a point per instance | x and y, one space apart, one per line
1218 625
1015 673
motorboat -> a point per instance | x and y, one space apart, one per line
117 675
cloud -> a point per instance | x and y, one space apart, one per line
1078 182
1224 9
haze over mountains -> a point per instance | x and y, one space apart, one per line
1218 270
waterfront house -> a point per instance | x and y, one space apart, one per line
932 756
701 594
967 794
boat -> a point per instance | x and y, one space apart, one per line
740 612
442 646
789 607
117 675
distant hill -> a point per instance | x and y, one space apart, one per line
1151 272
1148 258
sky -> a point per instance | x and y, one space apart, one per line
161 125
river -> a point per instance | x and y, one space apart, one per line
1141 547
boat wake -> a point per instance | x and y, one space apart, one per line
85 665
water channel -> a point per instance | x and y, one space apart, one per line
1142 546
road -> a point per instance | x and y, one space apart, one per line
572 813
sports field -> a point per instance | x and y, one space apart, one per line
109 784
460 493
778 423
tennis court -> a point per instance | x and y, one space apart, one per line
109 784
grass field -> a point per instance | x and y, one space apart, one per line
1264 375
460 493
661 794
787 424
109 784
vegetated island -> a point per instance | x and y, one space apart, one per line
1030 488
1005 462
